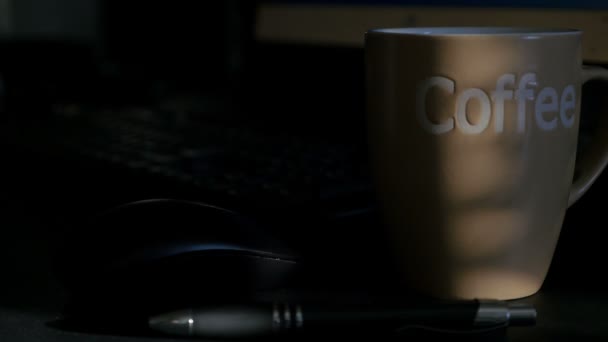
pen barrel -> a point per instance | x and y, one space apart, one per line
387 318
235 322
280 318
284 318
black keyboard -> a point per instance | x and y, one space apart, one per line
258 166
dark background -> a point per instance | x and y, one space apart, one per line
190 61
200 60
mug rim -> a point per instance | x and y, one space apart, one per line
467 31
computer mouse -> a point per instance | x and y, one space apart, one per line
155 255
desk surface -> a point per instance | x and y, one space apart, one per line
571 305
562 316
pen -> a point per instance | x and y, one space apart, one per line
258 320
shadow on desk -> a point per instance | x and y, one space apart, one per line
566 315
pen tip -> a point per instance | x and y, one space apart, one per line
174 323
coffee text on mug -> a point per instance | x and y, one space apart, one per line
549 105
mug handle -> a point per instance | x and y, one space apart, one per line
593 161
